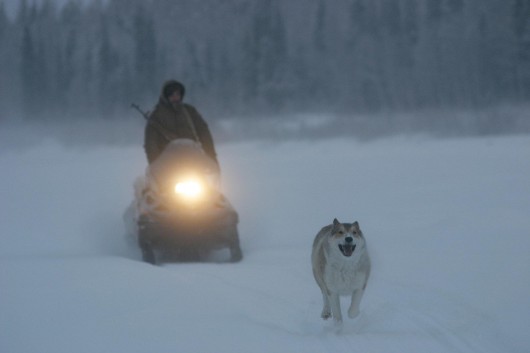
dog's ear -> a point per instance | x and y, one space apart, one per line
336 222
355 226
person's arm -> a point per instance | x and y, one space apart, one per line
207 142
205 137
151 143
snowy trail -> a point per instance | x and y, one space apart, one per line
200 307
447 233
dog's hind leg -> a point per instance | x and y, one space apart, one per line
355 302
326 311
334 300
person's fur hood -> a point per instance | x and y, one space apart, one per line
169 87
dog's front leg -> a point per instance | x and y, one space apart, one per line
355 302
334 300
326 311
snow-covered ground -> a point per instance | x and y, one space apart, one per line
447 223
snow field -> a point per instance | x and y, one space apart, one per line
445 221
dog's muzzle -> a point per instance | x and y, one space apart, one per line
347 249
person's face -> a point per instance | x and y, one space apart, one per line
175 97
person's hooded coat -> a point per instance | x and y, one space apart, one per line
169 121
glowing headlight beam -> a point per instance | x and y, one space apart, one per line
189 188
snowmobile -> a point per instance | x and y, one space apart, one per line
179 211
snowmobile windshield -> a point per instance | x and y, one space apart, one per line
183 159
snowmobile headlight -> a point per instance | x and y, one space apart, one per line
191 189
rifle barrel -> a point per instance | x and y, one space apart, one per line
144 114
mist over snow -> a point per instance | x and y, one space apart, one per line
408 116
446 222
71 60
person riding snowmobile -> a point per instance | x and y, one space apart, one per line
179 210
172 119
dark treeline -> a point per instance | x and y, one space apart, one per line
251 57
